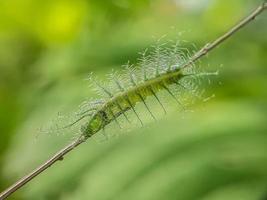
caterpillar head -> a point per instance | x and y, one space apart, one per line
96 123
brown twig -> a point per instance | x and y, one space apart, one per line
202 52
210 46
58 156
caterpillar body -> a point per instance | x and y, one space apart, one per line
164 68
126 100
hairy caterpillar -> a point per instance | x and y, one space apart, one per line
154 73
103 112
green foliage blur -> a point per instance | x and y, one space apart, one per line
217 152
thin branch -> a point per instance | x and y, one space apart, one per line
210 46
60 155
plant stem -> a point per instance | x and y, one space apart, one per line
60 155
210 46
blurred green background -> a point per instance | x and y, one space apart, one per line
47 49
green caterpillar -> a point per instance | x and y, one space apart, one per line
168 67
126 99
157 72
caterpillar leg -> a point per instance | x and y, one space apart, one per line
124 114
143 100
132 107
154 94
171 94
121 88
114 118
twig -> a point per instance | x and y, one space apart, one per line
202 52
210 46
58 156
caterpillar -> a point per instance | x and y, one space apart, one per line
153 73
170 68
